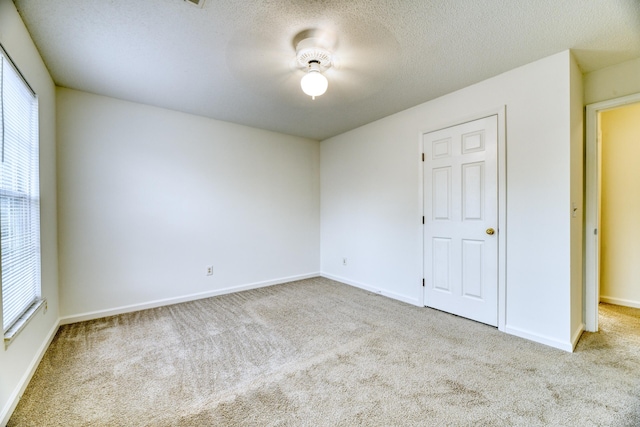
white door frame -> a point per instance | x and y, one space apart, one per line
592 203
502 202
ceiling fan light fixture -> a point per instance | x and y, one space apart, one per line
313 56
314 83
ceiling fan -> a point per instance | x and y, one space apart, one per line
349 60
313 53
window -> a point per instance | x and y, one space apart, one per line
19 199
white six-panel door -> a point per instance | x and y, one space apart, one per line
461 220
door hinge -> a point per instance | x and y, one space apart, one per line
423 157
423 219
423 283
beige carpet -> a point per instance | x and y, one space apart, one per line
319 353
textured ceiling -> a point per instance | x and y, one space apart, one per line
232 60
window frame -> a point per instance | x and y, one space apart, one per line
28 219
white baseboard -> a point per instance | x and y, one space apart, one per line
185 298
620 301
24 381
542 339
576 336
373 289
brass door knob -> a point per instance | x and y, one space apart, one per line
490 231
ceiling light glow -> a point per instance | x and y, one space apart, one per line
314 83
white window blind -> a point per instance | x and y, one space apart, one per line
19 195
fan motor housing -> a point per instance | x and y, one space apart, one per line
310 50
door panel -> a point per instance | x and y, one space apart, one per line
461 203
472 191
472 268
442 264
441 193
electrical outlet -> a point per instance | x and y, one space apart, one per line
344 261
46 307
210 270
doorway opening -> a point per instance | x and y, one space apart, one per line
611 182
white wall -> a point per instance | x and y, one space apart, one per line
371 196
149 197
18 362
620 229
370 209
612 82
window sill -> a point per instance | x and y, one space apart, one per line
17 327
